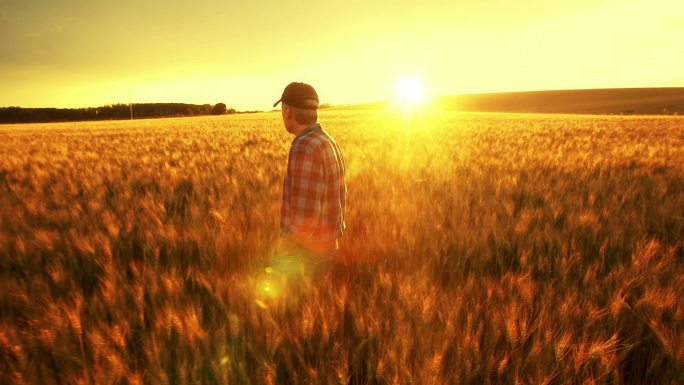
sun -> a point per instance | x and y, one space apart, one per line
410 91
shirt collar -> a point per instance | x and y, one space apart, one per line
315 126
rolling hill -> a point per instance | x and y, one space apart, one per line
637 101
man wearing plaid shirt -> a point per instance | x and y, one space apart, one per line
314 189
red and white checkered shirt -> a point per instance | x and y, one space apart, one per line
314 190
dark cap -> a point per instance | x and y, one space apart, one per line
299 95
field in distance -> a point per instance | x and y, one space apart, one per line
481 248
615 101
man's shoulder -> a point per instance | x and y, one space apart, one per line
312 141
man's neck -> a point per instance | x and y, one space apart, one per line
300 128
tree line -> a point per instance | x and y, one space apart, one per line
108 112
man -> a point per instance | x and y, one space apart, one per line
314 189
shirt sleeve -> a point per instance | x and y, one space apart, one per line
307 187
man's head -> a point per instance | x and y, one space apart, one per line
300 106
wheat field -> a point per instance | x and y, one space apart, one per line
480 249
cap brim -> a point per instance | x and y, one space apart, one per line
297 104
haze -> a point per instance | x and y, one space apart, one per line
75 53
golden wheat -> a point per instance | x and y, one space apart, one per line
481 248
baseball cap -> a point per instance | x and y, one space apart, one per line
299 95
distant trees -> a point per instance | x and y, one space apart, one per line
113 111
219 109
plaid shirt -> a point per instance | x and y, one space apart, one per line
314 191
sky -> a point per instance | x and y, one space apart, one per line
87 53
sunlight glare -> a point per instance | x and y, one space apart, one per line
410 91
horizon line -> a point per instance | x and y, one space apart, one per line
370 102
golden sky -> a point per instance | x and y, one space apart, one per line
79 53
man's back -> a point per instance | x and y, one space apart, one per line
314 189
